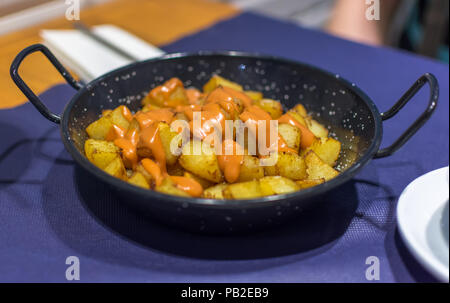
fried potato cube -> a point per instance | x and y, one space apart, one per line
167 135
99 128
215 192
317 169
167 186
201 160
328 149
100 152
203 182
288 165
117 117
276 185
304 184
148 177
243 190
138 179
116 168
316 128
150 107
301 110
106 112
272 107
255 96
292 135
300 119
181 116
217 81
250 169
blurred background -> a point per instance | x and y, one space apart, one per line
416 26
419 26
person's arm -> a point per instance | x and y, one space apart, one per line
349 21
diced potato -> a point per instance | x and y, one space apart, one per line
289 165
304 184
116 168
255 96
172 95
215 192
276 185
203 182
100 152
150 107
300 119
138 179
328 149
292 135
106 112
316 128
167 135
167 186
181 116
204 165
148 177
274 108
217 81
243 190
301 110
250 169
99 129
319 157
317 169
117 118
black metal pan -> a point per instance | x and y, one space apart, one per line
348 112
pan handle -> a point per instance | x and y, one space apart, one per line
14 72
432 103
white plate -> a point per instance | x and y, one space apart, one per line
422 215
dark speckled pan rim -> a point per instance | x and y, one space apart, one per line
224 204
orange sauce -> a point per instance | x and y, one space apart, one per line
128 145
150 139
193 95
157 115
153 169
252 115
166 89
225 98
188 110
211 115
246 100
115 132
126 113
190 186
307 136
231 164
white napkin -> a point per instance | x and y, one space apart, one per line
90 59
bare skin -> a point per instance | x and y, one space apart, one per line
349 21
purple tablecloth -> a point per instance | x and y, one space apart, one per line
50 209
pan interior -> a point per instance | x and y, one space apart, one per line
335 103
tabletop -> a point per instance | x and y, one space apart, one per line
51 209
